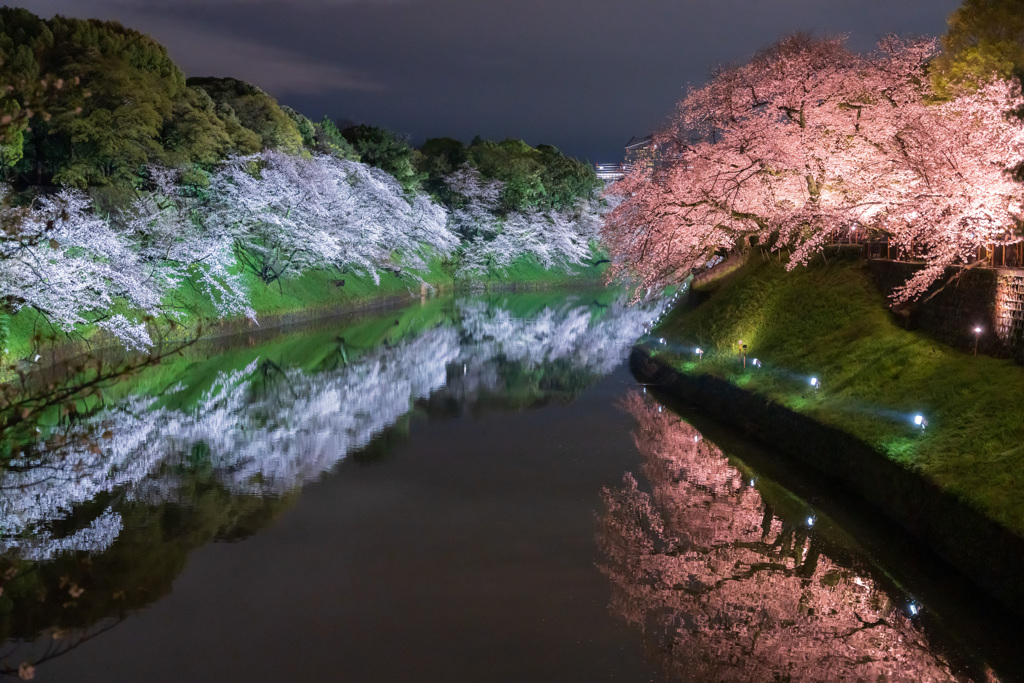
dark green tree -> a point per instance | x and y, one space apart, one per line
195 133
329 140
255 110
540 178
382 149
306 128
107 129
985 40
439 157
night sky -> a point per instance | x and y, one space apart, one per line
583 75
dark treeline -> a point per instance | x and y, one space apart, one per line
92 103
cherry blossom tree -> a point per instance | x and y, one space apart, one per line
494 241
287 214
808 139
481 204
167 229
68 263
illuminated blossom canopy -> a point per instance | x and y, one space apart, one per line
809 139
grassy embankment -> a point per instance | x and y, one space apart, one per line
829 321
312 294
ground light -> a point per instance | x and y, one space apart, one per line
816 383
920 421
977 336
700 354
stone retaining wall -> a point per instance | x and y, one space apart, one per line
990 298
985 551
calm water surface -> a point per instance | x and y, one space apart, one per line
464 490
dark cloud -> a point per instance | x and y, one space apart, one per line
583 75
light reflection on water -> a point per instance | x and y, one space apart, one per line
728 584
726 577
265 429
114 502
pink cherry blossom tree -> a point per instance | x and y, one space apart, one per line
808 139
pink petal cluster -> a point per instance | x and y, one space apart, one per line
808 140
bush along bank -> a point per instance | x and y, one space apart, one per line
953 480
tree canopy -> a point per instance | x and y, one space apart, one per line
808 139
255 111
532 178
985 40
382 149
93 103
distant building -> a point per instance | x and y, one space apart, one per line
610 171
638 152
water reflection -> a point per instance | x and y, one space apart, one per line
727 587
98 515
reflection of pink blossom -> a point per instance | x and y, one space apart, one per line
725 590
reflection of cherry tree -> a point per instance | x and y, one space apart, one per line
95 485
569 339
264 429
257 439
568 331
725 590
274 435
48 481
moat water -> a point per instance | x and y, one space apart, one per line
467 489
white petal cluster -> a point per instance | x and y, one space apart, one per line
288 214
494 240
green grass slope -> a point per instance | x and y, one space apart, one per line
828 321
312 293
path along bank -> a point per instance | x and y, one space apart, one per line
956 484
